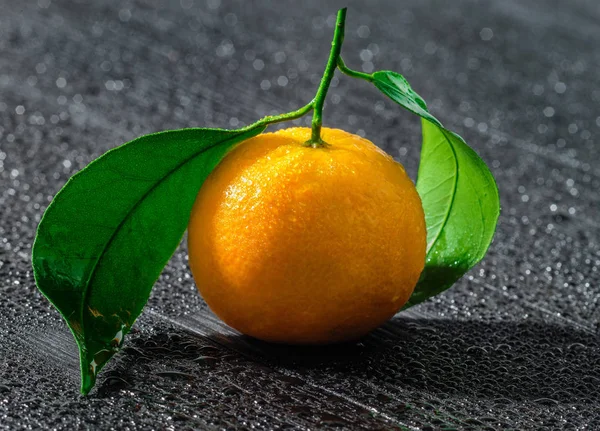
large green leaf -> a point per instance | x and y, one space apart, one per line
107 235
459 195
461 204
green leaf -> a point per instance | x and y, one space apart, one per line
461 204
394 86
107 235
459 195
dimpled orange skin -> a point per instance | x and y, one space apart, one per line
301 245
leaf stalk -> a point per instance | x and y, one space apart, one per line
353 73
272 119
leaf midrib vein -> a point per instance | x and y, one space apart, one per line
454 188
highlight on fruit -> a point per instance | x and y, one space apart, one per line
302 236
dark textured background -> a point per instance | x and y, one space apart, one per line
513 345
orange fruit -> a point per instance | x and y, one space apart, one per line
294 244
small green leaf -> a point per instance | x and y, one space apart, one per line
107 235
459 195
394 86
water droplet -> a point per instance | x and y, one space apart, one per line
363 31
486 34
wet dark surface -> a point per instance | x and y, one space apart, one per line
514 345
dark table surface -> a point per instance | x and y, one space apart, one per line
513 345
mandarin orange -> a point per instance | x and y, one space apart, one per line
294 244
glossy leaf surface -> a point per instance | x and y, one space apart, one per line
459 195
107 235
461 204
394 86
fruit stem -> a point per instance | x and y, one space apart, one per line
316 105
353 73
332 62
